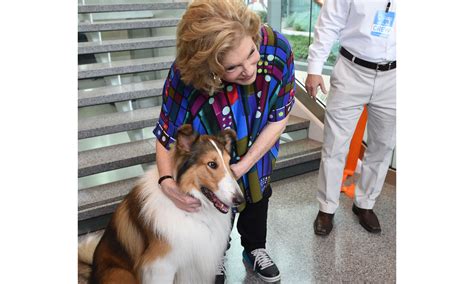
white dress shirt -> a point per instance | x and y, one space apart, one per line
351 22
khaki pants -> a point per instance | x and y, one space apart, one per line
352 87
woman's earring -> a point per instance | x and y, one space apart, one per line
216 78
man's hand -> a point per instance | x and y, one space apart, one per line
312 83
181 200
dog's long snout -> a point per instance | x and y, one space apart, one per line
238 197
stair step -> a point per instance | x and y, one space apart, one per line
126 44
132 7
124 67
103 199
298 152
117 122
141 118
118 156
296 123
110 94
127 24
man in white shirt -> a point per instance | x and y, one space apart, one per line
364 74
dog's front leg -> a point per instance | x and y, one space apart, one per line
159 271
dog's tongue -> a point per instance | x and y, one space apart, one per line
213 198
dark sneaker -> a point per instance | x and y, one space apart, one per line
262 264
220 273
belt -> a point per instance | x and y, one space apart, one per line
368 64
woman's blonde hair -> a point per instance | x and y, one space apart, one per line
207 31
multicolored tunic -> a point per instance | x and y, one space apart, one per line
245 109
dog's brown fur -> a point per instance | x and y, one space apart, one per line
128 244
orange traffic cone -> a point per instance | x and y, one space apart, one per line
353 155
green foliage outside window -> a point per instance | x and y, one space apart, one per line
299 21
299 45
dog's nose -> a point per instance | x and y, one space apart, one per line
238 198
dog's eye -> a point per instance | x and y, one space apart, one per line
212 165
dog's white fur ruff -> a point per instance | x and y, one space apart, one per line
198 240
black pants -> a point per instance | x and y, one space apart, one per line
252 223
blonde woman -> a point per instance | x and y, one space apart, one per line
230 72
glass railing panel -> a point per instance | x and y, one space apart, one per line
297 24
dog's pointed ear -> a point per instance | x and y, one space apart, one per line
228 136
185 138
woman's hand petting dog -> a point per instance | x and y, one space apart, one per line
181 200
237 170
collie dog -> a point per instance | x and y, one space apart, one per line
150 240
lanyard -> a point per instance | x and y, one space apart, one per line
388 6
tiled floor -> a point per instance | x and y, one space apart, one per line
349 254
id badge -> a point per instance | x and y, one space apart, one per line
383 24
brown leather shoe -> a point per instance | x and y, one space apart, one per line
323 224
367 219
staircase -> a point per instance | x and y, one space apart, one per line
125 51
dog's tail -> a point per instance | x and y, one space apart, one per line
85 252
